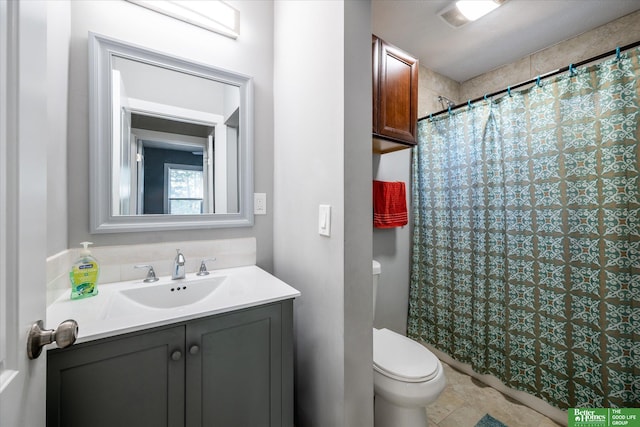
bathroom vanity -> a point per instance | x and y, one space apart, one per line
223 358
183 351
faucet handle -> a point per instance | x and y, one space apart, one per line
203 267
151 274
179 257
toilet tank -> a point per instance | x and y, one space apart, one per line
376 276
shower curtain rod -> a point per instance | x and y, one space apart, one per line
536 79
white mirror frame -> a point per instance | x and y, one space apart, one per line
101 52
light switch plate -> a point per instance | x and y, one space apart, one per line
324 220
259 203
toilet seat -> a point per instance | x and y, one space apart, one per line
400 358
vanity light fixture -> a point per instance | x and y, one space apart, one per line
212 15
462 12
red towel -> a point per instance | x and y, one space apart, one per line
389 204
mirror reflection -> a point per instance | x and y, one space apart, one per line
171 144
175 141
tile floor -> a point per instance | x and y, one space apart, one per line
465 400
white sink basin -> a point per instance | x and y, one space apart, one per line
131 306
173 295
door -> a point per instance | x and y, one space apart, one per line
235 370
398 94
123 175
135 381
22 208
139 186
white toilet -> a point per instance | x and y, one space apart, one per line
406 376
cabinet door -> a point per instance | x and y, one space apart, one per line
124 382
375 58
239 369
398 94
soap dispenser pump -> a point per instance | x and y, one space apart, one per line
84 274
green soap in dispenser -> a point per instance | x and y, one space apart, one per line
84 274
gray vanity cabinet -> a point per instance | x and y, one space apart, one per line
242 372
233 369
128 381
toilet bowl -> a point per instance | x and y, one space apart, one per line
406 377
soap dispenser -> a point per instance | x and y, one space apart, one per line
84 274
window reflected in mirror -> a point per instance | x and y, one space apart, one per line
183 189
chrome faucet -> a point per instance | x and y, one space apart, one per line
178 266
151 274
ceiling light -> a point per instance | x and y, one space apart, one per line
474 9
212 15
464 11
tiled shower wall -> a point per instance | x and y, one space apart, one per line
620 32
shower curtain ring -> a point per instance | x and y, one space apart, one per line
572 70
538 82
618 53
469 104
509 90
450 110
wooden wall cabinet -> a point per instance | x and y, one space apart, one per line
232 369
395 97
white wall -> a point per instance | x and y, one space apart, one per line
323 156
251 54
358 215
57 74
142 81
392 248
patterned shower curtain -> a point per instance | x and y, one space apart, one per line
526 239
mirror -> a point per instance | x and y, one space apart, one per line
171 141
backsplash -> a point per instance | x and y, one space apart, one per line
117 262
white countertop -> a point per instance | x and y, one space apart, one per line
109 313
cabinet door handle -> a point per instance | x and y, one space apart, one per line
194 349
176 355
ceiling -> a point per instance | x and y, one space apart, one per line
513 31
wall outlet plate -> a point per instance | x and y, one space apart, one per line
259 203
